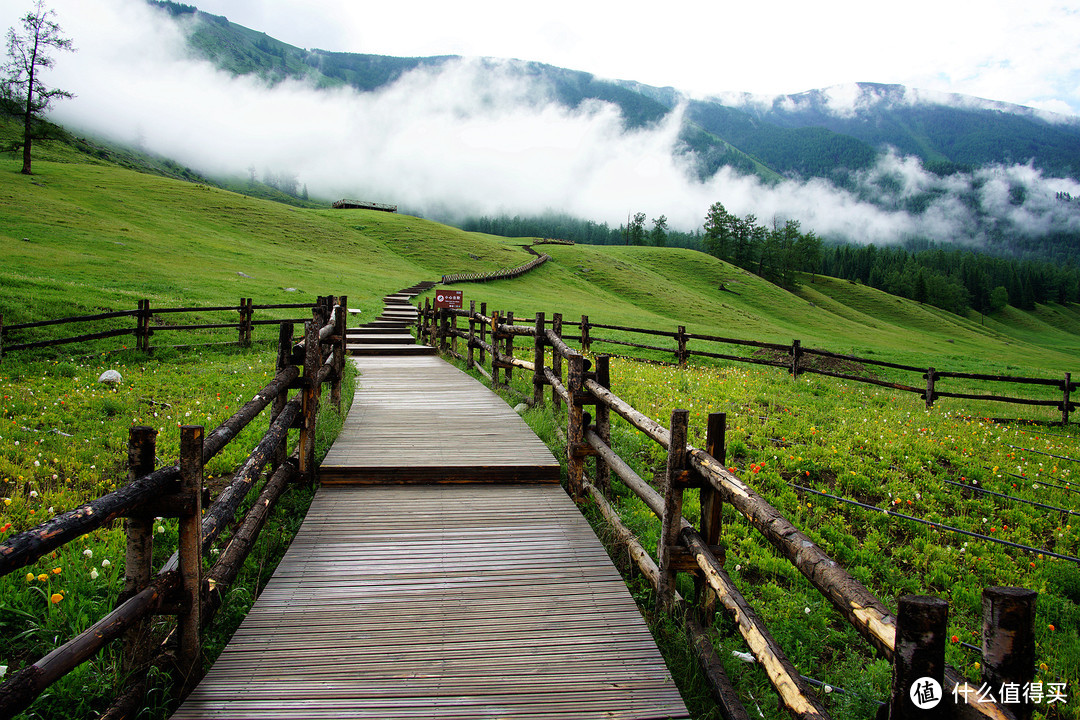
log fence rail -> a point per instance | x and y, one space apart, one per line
912 638
794 358
181 588
145 327
507 274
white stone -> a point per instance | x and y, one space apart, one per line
110 377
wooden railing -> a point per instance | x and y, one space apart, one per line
145 327
912 639
181 588
507 274
796 360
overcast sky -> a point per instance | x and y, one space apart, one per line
1020 51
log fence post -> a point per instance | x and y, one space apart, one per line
453 330
712 505
509 356
425 314
538 361
284 359
244 326
483 333
586 342
444 330
470 358
1008 646
142 449
310 402
556 358
931 378
919 660
495 364
671 522
340 349
575 426
796 356
1065 397
190 550
603 423
680 339
139 331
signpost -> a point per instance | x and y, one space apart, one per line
449 299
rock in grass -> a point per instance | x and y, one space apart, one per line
520 408
110 377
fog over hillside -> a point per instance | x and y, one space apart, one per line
477 137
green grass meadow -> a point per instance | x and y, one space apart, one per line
83 236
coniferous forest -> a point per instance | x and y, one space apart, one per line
949 276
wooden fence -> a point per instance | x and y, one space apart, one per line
145 326
507 274
181 587
913 638
796 360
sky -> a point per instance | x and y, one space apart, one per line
1020 51
461 140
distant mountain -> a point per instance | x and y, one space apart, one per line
827 133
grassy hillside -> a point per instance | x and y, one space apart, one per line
81 235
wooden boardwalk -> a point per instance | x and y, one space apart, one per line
422 419
482 593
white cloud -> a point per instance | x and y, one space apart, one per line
466 140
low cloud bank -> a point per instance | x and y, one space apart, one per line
481 137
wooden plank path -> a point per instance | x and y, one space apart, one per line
475 597
420 418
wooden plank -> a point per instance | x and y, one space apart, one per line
440 601
419 419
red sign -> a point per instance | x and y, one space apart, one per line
449 299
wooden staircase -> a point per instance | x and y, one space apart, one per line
389 333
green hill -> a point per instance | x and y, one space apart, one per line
83 234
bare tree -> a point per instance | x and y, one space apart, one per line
27 55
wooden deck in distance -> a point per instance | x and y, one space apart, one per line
441 601
420 419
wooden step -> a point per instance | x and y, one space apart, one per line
379 350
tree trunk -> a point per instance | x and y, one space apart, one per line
29 115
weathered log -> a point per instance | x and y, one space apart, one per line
557 343
645 424
142 448
999 378
224 572
557 354
66 341
726 697
602 420
556 385
867 380
631 344
786 680
640 331
226 431
921 626
862 360
190 550
737 341
25 685
861 607
26 547
671 518
1009 642
224 508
